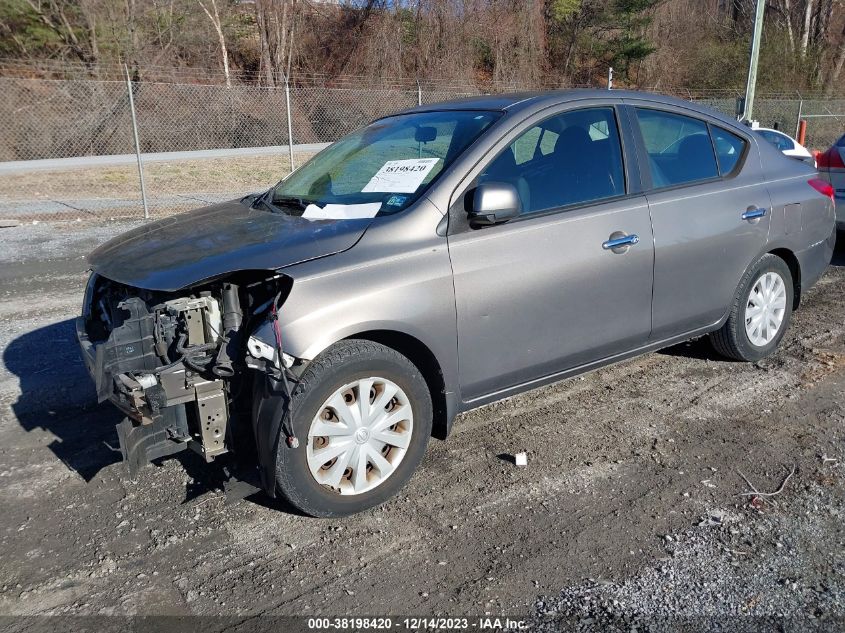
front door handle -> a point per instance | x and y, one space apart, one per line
619 242
753 214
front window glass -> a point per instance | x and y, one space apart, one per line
679 148
571 158
384 167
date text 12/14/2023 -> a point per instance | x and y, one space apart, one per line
415 623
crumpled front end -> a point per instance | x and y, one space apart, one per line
176 363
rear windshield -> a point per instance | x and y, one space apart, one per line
382 168
841 142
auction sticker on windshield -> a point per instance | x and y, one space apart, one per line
400 176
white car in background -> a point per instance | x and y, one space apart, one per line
831 166
786 144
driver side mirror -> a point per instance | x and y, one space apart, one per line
494 203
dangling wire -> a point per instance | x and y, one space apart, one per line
287 428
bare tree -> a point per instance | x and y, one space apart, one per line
488 42
805 32
275 20
838 64
786 9
214 16
134 39
53 15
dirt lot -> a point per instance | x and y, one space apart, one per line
629 507
113 192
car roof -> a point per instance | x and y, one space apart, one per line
519 101
479 102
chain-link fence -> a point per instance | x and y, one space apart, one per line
825 121
67 149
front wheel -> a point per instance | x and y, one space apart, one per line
760 313
363 416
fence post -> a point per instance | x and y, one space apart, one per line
137 144
419 93
290 122
800 113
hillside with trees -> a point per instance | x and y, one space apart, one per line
696 44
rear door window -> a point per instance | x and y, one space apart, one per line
678 147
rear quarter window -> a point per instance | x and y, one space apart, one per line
729 149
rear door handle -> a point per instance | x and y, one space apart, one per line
620 244
753 214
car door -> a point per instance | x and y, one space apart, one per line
710 212
548 290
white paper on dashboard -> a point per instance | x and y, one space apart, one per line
400 176
341 211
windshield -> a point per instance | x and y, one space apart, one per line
380 169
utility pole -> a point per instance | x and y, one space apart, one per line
751 85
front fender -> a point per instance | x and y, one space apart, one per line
398 278
409 293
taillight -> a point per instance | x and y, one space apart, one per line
830 158
822 186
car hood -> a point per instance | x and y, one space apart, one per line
186 249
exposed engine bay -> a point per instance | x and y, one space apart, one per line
178 366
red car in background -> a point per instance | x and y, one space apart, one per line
831 166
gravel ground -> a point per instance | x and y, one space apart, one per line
628 516
102 192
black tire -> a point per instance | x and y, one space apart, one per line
732 340
341 364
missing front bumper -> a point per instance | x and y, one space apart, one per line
168 408
142 443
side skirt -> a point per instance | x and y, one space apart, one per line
588 367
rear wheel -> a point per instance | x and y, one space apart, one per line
760 313
363 416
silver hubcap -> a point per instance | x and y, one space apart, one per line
360 435
765 309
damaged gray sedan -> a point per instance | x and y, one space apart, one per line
438 260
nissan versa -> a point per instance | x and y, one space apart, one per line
437 260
